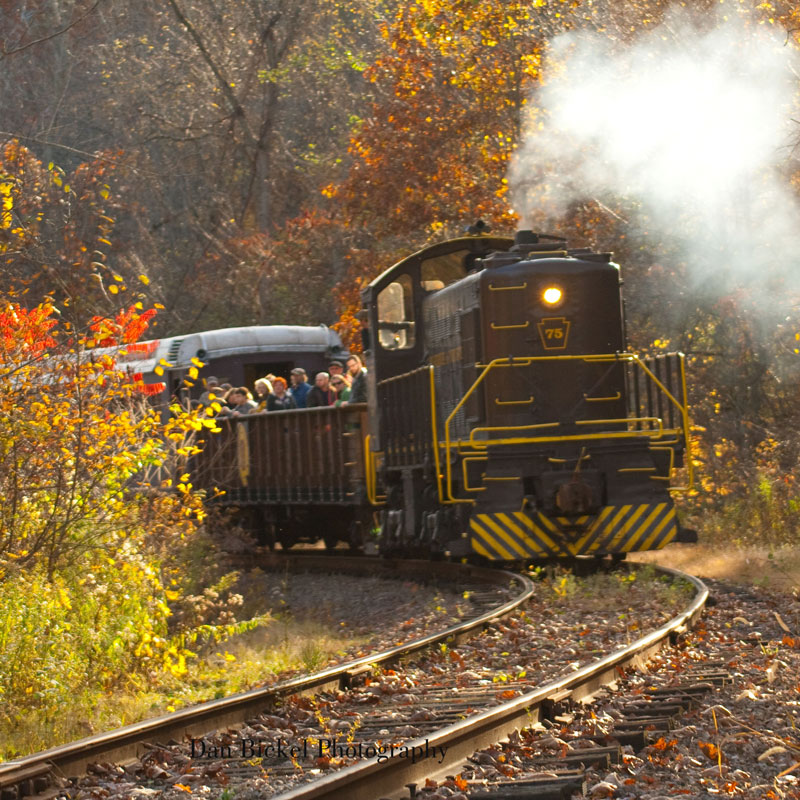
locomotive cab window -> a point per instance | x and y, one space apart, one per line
436 273
396 315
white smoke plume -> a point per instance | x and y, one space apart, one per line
693 126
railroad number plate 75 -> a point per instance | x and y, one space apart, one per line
553 331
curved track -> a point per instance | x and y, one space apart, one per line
370 779
29 775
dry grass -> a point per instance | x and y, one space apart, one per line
777 568
246 661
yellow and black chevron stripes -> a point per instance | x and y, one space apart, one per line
508 536
511 536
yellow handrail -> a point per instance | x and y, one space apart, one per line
371 473
684 410
654 434
464 462
435 436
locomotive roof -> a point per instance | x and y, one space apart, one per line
479 245
452 250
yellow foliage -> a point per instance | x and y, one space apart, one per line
81 450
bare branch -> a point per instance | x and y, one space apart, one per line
223 84
7 53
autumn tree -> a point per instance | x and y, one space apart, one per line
55 230
223 119
81 449
98 527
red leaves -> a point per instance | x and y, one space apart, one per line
126 328
28 329
455 656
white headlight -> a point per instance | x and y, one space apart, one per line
552 295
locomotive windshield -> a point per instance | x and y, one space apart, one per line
441 271
396 315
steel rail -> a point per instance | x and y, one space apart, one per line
369 779
127 742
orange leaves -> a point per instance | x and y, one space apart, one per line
711 751
660 752
664 744
126 328
456 657
26 328
73 419
423 155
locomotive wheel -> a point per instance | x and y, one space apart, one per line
357 533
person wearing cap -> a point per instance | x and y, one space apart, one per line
300 387
212 392
335 368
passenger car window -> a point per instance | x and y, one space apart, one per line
396 315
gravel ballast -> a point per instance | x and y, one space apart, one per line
742 739
567 625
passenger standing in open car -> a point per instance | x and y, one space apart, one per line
358 385
339 385
212 392
280 399
321 393
225 390
263 391
300 387
241 402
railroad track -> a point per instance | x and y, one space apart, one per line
35 774
394 777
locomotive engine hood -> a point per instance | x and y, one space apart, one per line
529 245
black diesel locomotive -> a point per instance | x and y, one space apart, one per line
508 419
